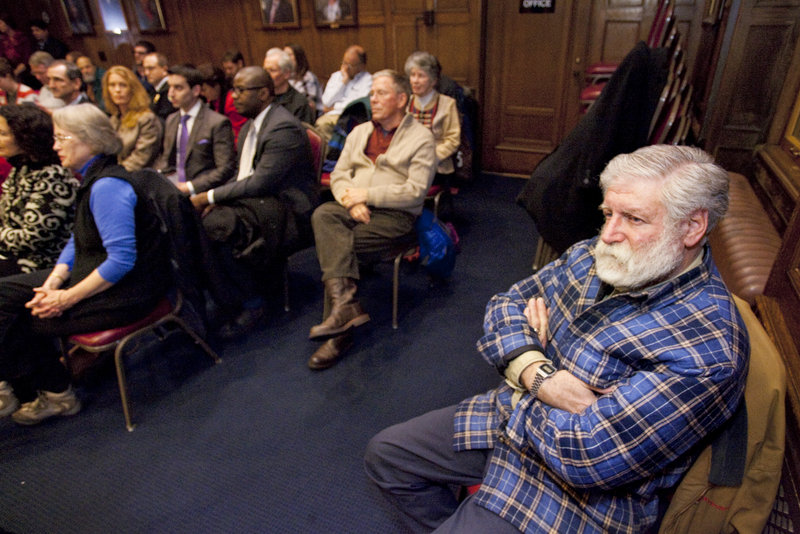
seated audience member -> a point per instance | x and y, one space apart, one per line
46 42
303 80
216 92
155 67
92 80
199 152
64 80
375 203
39 62
350 82
111 272
434 110
232 63
36 206
12 92
619 359
73 55
264 210
138 127
140 50
14 45
279 66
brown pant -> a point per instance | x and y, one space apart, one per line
339 238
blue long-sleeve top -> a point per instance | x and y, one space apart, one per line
112 202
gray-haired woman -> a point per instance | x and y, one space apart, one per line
434 110
112 271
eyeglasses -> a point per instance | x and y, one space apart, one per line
239 90
61 138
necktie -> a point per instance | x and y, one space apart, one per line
248 153
183 141
273 11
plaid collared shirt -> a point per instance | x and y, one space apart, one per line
677 355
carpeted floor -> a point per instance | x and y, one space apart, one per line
260 443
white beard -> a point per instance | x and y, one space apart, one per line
621 266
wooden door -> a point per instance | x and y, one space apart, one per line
533 66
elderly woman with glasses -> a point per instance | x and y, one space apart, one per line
36 206
113 271
434 110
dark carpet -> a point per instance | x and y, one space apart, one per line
260 443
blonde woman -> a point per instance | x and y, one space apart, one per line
138 127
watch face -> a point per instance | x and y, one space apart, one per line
547 369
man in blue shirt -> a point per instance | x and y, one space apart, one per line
619 358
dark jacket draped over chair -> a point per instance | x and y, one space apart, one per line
563 193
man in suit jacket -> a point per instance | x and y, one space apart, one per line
277 11
264 211
209 155
156 69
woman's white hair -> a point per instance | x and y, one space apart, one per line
688 176
90 125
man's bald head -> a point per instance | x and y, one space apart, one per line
253 90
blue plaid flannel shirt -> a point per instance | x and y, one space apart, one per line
677 354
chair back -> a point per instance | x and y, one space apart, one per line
318 148
662 24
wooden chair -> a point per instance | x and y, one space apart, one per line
117 339
659 29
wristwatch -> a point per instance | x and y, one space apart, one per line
544 372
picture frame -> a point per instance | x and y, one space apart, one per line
79 17
113 16
335 13
279 14
791 137
149 16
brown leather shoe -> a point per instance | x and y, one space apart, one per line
330 352
346 311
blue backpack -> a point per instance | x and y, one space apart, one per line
438 245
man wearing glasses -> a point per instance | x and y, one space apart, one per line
264 210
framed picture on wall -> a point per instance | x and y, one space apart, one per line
335 13
78 16
113 16
280 13
149 16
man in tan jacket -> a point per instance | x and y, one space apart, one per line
379 186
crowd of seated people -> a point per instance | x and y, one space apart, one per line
233 141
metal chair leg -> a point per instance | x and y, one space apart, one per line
123 389
286 305
395 288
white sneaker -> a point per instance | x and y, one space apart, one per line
47 404
8 401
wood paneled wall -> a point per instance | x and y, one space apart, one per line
617 25
201 30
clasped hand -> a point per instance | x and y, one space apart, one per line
47 302
355 201
562 390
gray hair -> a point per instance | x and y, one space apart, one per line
40 57
71 69
284 61
90 126
690 179
399 81
425 62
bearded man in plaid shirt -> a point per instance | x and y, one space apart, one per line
619 358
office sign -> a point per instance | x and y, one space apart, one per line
537 6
